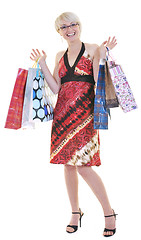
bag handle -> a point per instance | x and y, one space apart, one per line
37 66
110 59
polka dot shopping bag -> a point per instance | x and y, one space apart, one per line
39 100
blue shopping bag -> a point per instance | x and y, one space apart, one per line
100 111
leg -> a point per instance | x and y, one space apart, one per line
97 186
71 180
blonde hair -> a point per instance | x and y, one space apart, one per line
66 16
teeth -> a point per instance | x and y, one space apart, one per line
70 34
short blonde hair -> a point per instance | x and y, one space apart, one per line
67 16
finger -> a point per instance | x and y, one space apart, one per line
34 52
104 42
38 52
43 52
115 42
108 40
31 58
114 39
33 55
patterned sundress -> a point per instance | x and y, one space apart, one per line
74 141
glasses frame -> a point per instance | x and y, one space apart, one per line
65 27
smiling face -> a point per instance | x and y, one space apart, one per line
70 31
69 26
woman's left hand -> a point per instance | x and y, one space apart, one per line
111 43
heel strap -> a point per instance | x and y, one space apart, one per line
114 215
77 212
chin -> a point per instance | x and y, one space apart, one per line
72 37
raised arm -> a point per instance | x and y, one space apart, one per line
53 81
100 54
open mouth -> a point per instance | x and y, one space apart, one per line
70 34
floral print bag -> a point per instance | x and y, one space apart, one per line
122 88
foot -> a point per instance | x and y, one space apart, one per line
74 221
110 223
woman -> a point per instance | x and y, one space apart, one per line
74 142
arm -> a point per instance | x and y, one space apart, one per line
100 55
96 60
53 81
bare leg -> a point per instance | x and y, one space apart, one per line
71 179
97 186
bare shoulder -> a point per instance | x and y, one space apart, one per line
59 55
91 49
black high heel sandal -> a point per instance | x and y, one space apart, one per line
75 227
110 230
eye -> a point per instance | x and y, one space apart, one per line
63 27
73 24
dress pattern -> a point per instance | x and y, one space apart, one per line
73 139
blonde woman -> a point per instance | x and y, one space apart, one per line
74 142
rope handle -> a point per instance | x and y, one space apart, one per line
36 63
109 55
37 66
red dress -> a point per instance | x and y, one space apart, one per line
74 141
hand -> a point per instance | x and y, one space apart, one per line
36 55
110 44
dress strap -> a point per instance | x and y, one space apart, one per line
71 69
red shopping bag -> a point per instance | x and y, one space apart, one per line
14 116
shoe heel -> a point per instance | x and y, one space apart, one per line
80 221
81 218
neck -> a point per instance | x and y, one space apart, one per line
72 46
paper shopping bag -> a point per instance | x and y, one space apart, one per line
100 112
14 117
122 88
111 98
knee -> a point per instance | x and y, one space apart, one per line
69 168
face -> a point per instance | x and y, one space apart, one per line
70 31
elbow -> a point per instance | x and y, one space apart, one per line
56 89
55 92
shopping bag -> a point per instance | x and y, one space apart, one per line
100 111
122 88
111 98
39 100
14 116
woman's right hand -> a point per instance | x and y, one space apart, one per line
36 55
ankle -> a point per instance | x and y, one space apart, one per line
108 211
76 209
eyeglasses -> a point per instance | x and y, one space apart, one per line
73 25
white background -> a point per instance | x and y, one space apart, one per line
33 197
